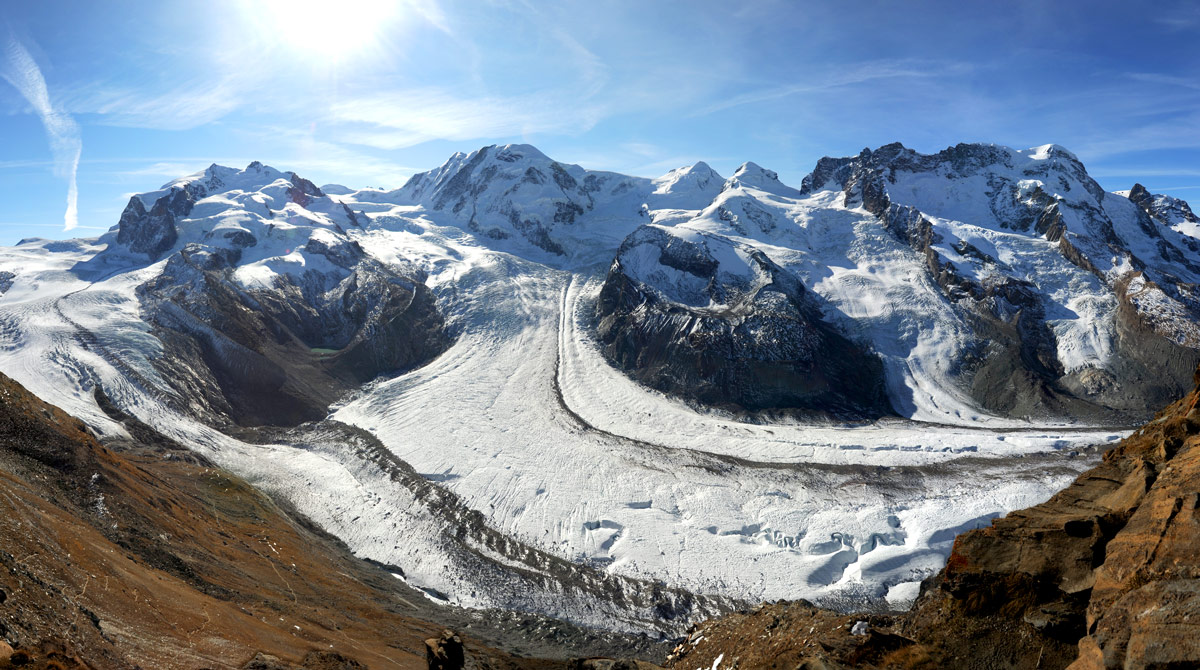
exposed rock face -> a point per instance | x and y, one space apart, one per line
153 232
706 319
280 355
1105 574
1163 208
303 190
1055 199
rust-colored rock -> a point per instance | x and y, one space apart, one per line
445 652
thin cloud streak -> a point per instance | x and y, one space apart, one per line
859 74
1166 80
199 103
400 119
20 70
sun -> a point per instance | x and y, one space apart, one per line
330 31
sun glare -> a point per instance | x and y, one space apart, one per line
327 30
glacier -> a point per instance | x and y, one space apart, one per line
519 469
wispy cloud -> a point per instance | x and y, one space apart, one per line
167 170
1166 80
1174 133
1144 172
177 109
20 70
399 119
849 76
1187 19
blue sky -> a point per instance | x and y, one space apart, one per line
121 97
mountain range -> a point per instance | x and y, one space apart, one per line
629 403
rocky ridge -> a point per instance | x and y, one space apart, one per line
1045 192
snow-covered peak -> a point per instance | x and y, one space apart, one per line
336 189
515 192
481 168
751 170
220 178
258 222
752 175
1171 212
689 179
1047 152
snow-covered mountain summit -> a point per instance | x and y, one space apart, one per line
987 278
687 186
256 251
751 175
515 191
233 211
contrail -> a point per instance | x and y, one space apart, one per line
19 69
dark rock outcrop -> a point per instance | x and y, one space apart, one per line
742 342
445 652
302 190
281 355
1167 211
153 232
147 232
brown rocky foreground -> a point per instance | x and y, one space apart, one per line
1105 574
139 554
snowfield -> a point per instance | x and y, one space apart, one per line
524 421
